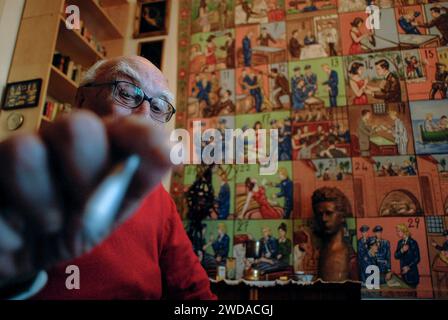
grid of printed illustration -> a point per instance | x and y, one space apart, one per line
359 101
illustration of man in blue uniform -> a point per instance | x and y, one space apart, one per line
268 252
220 247
332 84
409 255
286 191
286 131
363 242
310 80
203 88
251 82
368 258
383 255
247 49
296 77
223 199
221 244
299 95
298 91
284 140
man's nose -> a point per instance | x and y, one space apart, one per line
144 109
118 111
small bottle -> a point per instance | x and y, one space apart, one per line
221 274
230 269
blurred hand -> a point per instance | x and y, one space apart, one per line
47 178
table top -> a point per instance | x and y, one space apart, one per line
313 51
267 49
381 141
399 284
313 100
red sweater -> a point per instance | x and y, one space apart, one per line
149 249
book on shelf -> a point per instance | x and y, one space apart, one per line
70 69
53 108
67 66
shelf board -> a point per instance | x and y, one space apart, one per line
97 20
73 44
61 87
111 3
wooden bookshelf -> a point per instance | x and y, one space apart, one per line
97 20
61 87
72 43
43 32
111 3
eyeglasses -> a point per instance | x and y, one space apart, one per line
130 96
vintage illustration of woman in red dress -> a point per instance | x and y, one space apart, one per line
258 194
357 36
358 83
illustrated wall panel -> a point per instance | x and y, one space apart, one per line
362 120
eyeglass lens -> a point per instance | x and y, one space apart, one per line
131 96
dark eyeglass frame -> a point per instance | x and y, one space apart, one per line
145 97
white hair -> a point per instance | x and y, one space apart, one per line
122 67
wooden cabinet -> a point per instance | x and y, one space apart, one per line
43 32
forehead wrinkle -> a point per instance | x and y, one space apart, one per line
156 86
129 71
140 72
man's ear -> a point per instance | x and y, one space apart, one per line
80 98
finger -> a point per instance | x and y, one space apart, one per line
26 184
136 136
79 154
7 266
10 241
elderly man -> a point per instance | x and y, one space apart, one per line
46 180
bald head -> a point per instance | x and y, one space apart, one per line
135 69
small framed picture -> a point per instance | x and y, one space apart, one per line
152 18
24 94
153 51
